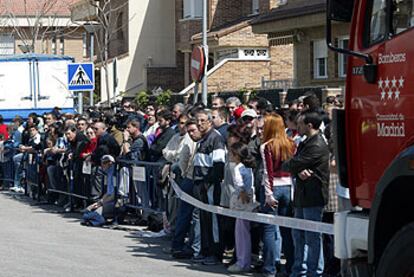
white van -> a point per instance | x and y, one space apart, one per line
34 83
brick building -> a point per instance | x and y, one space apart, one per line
141 50
161 34
238 58
303 23
39 26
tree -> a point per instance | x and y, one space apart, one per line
106 21
35 20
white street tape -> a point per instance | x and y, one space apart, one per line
294 223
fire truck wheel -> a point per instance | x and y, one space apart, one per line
397 259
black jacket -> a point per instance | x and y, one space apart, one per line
313 154
77 146
159 144
223 131
106 145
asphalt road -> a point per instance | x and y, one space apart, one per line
40 241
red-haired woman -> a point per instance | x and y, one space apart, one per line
277 189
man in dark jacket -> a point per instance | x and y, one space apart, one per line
135 145
209 161
77 141
220 118
164 119
310 166
106 145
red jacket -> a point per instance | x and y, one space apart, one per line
3 131
89 148
272 168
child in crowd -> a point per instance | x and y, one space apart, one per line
242 199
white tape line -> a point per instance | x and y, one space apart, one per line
289 222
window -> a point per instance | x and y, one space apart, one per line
54 50
248 53
193 9
120 26
342 59
403 17
6 44
254 54
84 44
376 22
255 7
320 59
62 45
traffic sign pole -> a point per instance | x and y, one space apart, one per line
91 59
205 49
80 102
195 99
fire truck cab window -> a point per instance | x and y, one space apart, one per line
402 17
377 22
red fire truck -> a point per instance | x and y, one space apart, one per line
375 136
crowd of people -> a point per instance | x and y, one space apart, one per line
247 157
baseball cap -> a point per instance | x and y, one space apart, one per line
249 112
107 158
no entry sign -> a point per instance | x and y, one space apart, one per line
197 64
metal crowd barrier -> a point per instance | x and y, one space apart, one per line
7 166
138 185
30 166
33 174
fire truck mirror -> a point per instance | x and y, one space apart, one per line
370 73
340 10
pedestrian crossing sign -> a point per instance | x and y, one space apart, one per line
81 76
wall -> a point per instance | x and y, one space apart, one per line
151 41
244 37
235 75
223 11
281 64
304 65
73 45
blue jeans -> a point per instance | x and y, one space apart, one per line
308 245
17 159
271 235
184 216
195 239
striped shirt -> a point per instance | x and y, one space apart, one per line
211 153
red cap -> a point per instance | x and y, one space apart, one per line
238 112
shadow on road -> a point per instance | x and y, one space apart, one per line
148 247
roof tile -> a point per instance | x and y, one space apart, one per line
36 7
